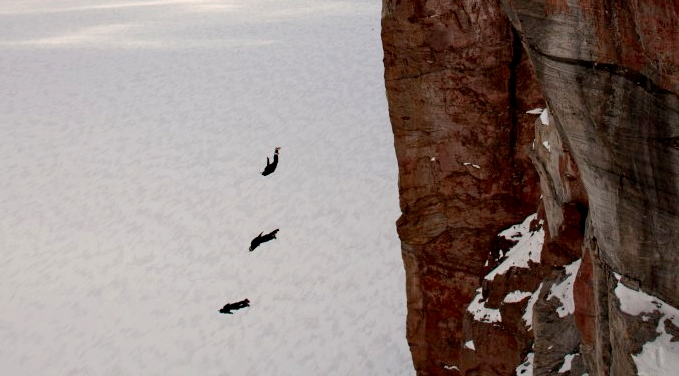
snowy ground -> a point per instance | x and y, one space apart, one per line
132 134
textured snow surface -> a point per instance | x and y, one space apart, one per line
133 134
528 248
661 355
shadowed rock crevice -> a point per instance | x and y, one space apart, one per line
517 55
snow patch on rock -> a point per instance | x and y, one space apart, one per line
517 296
661 355
528 248
480 312
526 368
564 290
528 313
567 363
470 345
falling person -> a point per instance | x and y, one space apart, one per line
271 167
234 306
261 239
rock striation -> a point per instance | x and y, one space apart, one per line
600 166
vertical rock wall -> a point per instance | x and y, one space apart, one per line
458 85
460 75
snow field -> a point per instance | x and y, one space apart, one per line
132 137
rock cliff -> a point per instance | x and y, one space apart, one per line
561 292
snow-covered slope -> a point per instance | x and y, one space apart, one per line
659 356
132 135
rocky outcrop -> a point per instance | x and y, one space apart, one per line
460 76
609 72
458 85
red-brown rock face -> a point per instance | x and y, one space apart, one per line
458 87
459 76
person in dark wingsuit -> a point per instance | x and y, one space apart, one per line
234 306
261 239
271 167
